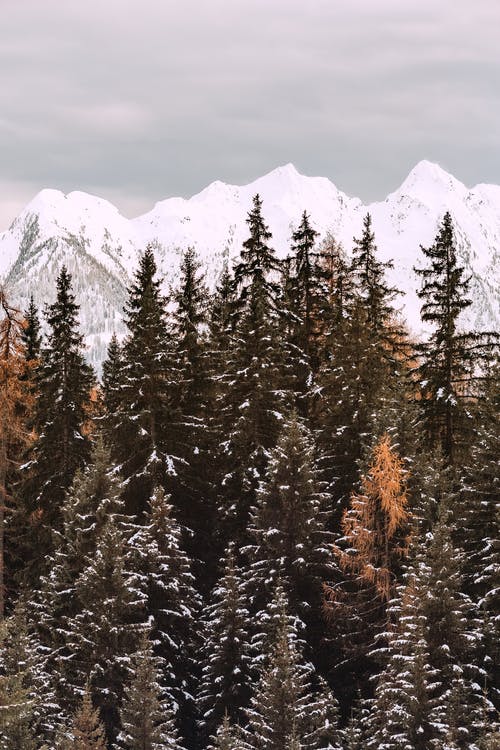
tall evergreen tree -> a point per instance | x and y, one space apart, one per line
288 530
280 706
32 332
142 439
104 633
225 662
450 358
146 715
63 391
253 399
87 731
112 387
192 487
305 307
29 712
172 605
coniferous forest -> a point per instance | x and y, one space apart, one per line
271 524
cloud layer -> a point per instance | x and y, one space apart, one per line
139 100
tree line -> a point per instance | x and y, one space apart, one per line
271 525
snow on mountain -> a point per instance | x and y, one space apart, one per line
100 247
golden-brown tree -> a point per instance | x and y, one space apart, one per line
13 398
87 732
376 525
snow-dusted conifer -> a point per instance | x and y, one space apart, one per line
173 604
63 391
142 436
224 685
146 716
104 633
288 530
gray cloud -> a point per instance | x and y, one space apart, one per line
140 100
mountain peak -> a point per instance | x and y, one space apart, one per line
428 180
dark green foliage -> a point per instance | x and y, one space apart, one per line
146 716
107 626
288 530
173 604
63 391
32 332
142 439
224 688
252 400
450 359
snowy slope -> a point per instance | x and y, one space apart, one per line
100 247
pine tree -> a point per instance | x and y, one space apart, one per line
279 707
450 359
63 392
32 333
112 387
401 716
92 500
305 308
252 399
191 488
87 731
225 655
371 273
323 710
142 440
105 631
173 604
227 737
29 712
288 528
147 719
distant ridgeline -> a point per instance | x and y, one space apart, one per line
100 248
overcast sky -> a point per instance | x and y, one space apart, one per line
138 100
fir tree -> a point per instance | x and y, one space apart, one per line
147 720
104 633
112 386
253 399
145 411
225 660
280 704
87 731
305 308
288 527
29 712
191 492
32 333
227 737
450 358
63 391
173 604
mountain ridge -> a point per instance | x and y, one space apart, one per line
101 247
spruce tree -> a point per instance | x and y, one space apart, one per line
104 633
252 399
224 687
112 387
146 715
306 310
32 332
192 486
279 707
227 737
29 711
288 530
142 440
63 391
87 731
449 359
173 604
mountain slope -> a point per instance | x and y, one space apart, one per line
100 247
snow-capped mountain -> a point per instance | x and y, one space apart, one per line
100 247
